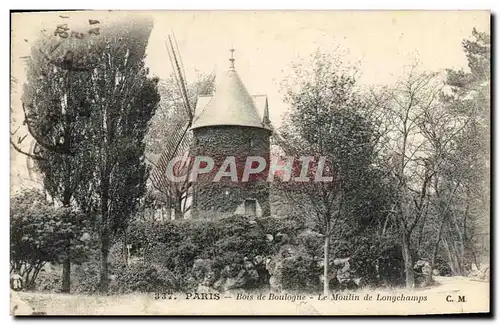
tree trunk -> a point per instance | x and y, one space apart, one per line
451 258
326 260
408 261
103 275
125 249
421 234
178 206
168 211
460 250
435 250
66 276
458 258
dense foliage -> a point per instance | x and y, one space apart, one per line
88 106
231 253
410 170
41 233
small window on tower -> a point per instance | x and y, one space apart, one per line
251 207
250 143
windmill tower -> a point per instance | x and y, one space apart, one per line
232 123
229 123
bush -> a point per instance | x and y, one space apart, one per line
180 258
273 225
442 266
49 279
85 277
175 245
228 264
142 277
228 243
167 253
42 233
300 274
312 242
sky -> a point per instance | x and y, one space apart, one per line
379 43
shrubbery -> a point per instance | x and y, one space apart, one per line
42 233
85 277
226 241
301 274
144 277
233 252
442 266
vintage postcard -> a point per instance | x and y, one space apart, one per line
250 163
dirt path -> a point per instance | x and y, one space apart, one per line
458 283
441 298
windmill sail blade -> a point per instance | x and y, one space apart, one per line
176 146
174 59
179 143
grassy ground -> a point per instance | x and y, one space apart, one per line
476 295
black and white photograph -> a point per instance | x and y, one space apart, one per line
249 163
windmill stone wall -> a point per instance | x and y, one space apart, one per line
227 197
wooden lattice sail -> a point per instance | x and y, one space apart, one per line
179 142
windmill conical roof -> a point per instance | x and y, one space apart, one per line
230 105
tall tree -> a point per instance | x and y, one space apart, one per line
124 99
407 153
326 120
442 129
55 108
467 95
436 146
